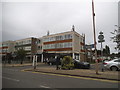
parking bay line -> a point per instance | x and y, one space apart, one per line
103 80
11 79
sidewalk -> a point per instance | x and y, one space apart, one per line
90 73
109 75
20 65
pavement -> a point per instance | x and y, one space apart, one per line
107 75
20 65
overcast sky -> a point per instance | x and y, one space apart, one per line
26 19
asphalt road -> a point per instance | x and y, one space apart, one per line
13 77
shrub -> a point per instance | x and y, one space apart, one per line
67 63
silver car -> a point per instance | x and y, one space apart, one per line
113 65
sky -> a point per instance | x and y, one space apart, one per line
28 18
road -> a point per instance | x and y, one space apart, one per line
13 77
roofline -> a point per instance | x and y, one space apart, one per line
25 38
63 33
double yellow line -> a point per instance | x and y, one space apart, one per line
87 78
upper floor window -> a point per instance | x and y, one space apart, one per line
68 36
61 37
5 44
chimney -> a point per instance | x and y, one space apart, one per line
73 28
48 33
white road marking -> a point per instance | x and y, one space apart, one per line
44 86
11 79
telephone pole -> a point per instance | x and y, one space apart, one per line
93 13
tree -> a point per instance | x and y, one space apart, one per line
98 52
107 50
116 38
21 53
9 57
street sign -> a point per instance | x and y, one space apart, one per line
101 41
101 37
89 46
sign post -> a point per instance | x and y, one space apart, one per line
101 39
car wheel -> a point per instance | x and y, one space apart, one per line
113 68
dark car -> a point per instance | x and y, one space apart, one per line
81 65
77 64
52 61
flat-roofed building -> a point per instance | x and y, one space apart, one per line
66 43
7 47
28 44
39 49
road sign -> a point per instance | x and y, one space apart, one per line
101 41
89 46
101 37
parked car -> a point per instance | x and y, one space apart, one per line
52 62
81 65
113 65
77 64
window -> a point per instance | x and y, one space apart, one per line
27 48
51 39
52 46
46 39
0 45
117 61
61 38
58 45
5 44
0 50
66 45
38 47
68 36
57 37
41 47
61 45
